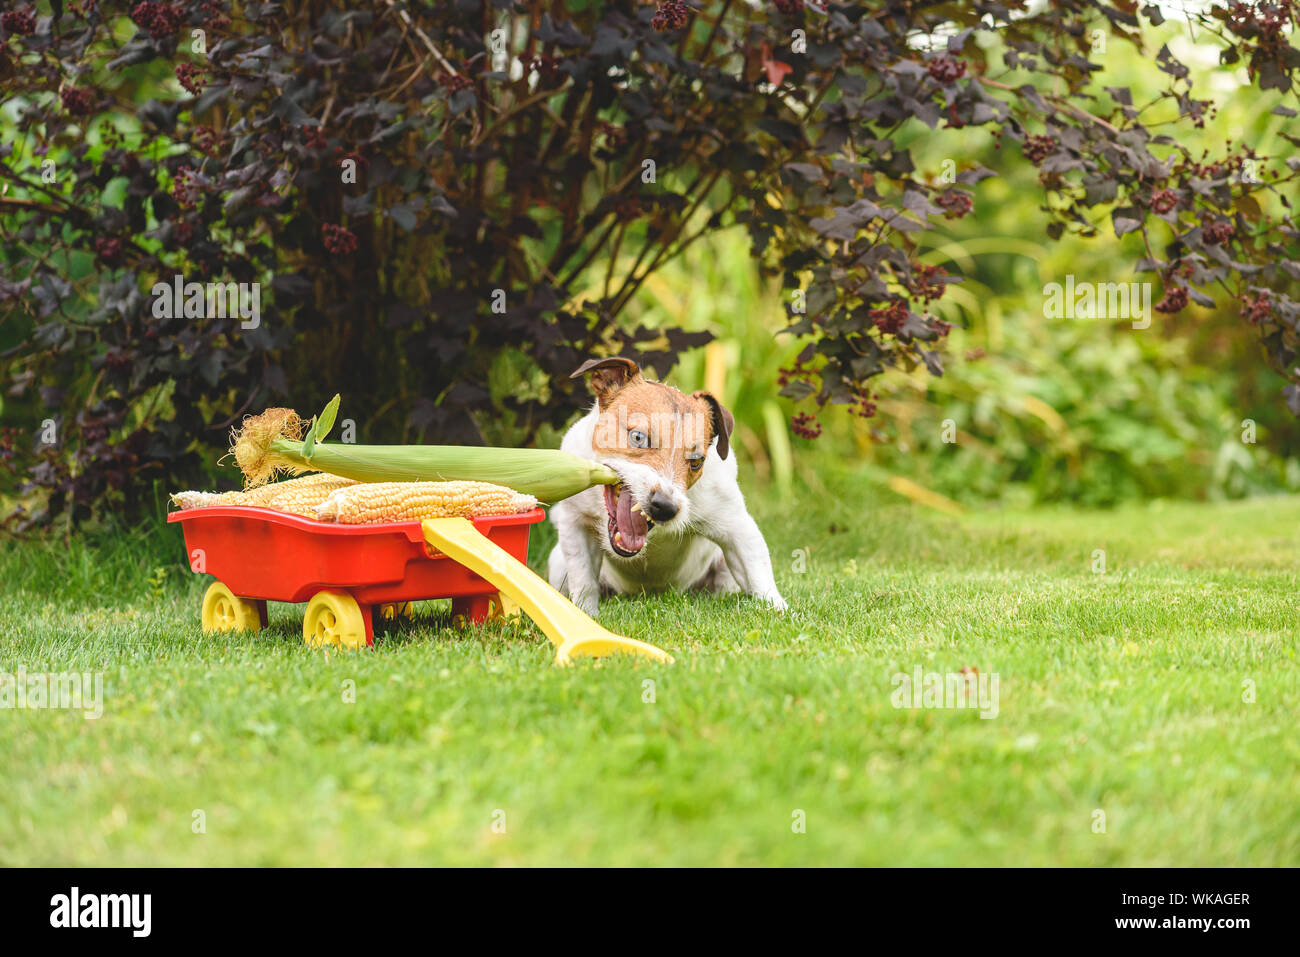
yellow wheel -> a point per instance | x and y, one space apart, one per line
483 608
225 611
396 611
507 607
391 616
334 619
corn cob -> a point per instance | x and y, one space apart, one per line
192 499
269 443
303 499
298 496
369 502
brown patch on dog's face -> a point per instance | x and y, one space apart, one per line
657 439
653 424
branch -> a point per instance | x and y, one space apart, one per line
424 37
1058 100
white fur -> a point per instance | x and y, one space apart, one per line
712 542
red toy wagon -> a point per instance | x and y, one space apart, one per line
347 574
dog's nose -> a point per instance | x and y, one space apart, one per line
660 507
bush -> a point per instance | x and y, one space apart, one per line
428 198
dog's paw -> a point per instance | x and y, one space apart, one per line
778 602
589 605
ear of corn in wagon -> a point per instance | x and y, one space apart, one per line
193 499
368 502
303 499
298 496
272 442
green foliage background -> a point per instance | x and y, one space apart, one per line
1086 411
1091 412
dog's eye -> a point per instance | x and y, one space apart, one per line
695 461
638 439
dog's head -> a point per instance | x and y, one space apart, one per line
656 438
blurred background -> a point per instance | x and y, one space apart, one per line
1086 411
1030 410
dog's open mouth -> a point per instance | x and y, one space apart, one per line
628 525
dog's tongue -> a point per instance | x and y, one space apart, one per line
631 525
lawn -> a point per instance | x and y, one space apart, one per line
1125 733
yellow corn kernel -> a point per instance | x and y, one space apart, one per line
369 502
192 499
303 499
265 494
304 492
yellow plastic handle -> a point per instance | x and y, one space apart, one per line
574 634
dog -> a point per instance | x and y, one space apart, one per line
676 519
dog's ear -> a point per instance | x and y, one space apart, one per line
722 420
608 375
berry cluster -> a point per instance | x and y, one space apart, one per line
806 426
160 19
1175 300
946 69
1199 110
670 16
215 18
955 204
890 318
1231 165
78 100
863 404
800 371
21 22
109 250
1258 309
205 138
186 187
190 77
1218 232
927 282
338 240
1038 148
788 7
1162 201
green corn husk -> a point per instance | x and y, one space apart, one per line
271 443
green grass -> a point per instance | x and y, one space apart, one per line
1119 692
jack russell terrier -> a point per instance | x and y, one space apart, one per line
677 518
